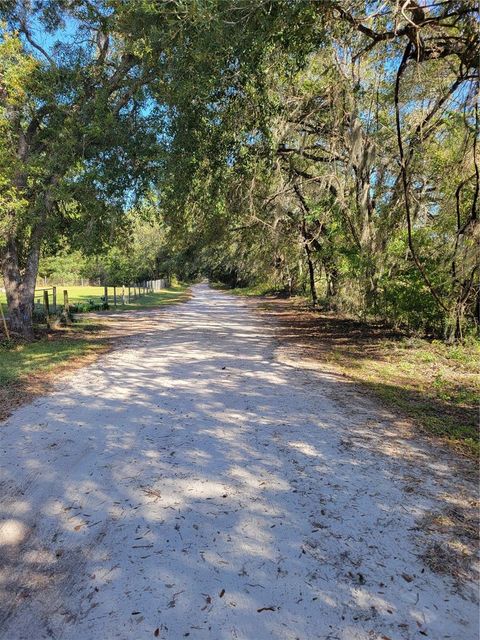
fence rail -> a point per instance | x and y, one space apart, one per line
46 305
39 300
127 293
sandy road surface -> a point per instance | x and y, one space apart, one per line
194 483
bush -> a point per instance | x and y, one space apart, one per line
39 316
90 305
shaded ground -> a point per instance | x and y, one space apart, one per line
202 481
436 385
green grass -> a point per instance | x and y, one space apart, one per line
46 354
435 384
75 294
176 293
83 295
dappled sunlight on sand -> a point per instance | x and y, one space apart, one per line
12 532
199 482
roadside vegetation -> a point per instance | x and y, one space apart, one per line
435 384
83 295
20 360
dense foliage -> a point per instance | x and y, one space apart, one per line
76 143
321 146
333 146
140 253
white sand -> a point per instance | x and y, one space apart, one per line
197 483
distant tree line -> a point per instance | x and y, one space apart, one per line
143 255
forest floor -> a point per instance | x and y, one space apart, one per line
206 480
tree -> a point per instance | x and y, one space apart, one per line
318 125
76 141
323 145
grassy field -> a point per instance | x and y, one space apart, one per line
83 295
25 368
75 294
434 384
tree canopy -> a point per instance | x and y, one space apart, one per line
323 145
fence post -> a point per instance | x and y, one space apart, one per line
66 307
105 295
5 328
54 299
115 296
47 308
128 294
123 295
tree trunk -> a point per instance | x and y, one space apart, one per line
306 243
20 284
20 306
311 273
311 269
331 275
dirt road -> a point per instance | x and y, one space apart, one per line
198 483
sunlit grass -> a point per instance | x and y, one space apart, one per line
75 294
78 294
176 293
44 355
436 384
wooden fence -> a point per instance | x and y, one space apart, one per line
46 305
122 294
